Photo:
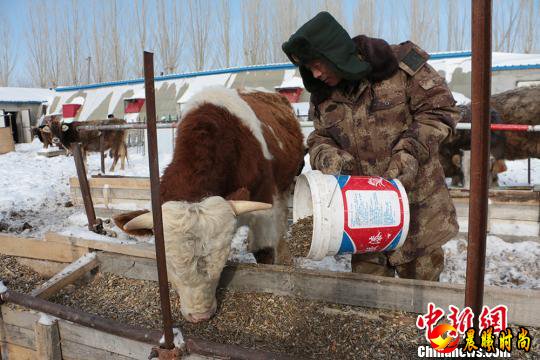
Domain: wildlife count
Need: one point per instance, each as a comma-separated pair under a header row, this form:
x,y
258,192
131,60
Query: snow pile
x,y
513,265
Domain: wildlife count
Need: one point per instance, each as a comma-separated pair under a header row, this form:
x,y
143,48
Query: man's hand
x,y
331,161
404,167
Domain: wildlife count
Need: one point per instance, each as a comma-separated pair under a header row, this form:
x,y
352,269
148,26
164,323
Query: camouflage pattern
x,y
425,267
410,113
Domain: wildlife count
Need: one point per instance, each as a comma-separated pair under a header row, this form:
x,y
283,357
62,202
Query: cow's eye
x,y
46,129
65,128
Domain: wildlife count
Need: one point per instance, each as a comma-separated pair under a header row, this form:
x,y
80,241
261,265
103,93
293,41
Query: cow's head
x,y
197,242
56,128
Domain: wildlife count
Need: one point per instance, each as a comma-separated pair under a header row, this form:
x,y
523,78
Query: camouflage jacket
x,y
412,110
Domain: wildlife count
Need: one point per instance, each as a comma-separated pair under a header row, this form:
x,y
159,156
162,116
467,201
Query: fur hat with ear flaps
x,y
324,38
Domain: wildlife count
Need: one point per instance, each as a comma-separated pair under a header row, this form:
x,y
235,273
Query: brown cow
x,y
231,145
113,140
44,136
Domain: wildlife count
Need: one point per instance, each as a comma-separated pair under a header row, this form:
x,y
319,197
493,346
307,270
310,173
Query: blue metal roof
x,y
283,66
450,55
515,67
181,76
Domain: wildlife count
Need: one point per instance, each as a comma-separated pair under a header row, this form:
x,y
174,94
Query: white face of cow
x,y
197,243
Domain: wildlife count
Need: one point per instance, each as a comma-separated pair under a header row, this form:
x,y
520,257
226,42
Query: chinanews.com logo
x,y
458,338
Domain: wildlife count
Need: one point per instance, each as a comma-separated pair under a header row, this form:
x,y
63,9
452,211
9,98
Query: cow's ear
x,y
46,129
65,128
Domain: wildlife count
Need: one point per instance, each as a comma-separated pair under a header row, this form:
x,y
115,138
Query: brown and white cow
x,y
65,134
231,145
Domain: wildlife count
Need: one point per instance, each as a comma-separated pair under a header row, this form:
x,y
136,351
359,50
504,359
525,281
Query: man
x,y
381,110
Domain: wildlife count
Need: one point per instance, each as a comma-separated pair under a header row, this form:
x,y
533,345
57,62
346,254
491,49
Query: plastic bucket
x,y
351,214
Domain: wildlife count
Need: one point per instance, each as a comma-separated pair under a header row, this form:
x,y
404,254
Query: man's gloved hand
x,y
404,167
330,161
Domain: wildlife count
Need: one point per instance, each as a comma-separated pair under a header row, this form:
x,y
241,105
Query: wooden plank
x,y
375,291
101,340
15,352
524,212
140,204
128,266
505,196
67,276
17,336
503,211
345,288
74,351
139,250
127,194
21,318
38,249
47,341
117,183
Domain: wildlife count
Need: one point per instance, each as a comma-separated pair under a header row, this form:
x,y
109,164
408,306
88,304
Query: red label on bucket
x,y
374,214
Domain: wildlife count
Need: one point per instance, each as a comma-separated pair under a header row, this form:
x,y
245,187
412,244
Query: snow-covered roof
x,y
293,82
499,61
198,83
25,95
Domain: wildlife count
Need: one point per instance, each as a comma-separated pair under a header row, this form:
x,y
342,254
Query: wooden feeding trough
x,y
341,299
508,209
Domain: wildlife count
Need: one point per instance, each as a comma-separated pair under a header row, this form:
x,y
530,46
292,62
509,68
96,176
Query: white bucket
x,y
351,214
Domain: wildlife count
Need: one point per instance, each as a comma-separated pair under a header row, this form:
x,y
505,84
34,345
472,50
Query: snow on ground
x,y
516,175
507,264
34,199
34,196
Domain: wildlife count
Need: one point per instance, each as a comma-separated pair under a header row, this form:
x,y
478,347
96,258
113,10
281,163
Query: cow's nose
x,y
56,140
198,317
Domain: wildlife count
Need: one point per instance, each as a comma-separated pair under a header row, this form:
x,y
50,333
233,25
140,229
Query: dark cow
x,y
451,151
231,145
517,106
44,136
113,140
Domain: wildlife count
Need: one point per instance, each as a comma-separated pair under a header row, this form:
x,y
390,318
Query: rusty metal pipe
x,y
159,125
480,137
82,318
83,184
156,199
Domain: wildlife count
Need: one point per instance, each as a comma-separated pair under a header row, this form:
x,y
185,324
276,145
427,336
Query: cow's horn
x,y
144,221
240,207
